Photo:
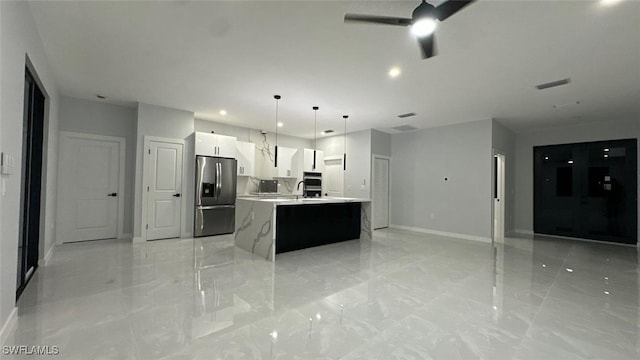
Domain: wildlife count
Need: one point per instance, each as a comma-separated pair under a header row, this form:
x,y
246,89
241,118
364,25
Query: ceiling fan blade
x,y
450,7
386,20
427,46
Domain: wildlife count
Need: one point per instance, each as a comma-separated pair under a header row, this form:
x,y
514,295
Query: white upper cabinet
x,y
215,145
287,166
246,156
307,161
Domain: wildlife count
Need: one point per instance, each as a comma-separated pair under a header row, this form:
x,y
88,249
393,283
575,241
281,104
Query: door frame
x,y
145,181
332,158
502,158
122,142
373,205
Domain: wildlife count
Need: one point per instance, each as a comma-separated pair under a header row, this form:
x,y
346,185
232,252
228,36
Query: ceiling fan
x,y
423,21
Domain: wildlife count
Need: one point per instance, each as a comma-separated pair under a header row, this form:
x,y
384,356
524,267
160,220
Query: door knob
x,y
113,194
176,195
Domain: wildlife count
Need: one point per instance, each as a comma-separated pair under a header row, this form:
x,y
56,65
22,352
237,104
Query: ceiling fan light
x,y
424,27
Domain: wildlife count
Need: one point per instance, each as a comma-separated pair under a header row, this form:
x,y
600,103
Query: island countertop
x,y
305,201
266,226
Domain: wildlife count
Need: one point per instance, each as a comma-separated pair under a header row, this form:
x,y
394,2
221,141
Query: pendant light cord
x,y
315,140
344,160
277,97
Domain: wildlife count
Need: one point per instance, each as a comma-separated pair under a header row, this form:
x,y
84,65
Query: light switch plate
x,y
6,164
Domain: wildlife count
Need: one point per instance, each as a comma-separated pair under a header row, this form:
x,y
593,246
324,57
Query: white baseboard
x,y
8,325
125,236
47,258
442,233
138,239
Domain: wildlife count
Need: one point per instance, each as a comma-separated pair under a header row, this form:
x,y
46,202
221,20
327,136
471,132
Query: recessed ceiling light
x,y
609,2
570,162
280,124
223,112
546,158
606,156
394,72
606,149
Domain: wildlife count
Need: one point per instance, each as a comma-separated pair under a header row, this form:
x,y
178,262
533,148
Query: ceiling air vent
x,y
553,84
409,114
404,128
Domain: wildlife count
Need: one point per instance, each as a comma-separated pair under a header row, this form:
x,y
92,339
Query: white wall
x,y
19,39
422,199
165,122
99,118
503,142
625,128
357,178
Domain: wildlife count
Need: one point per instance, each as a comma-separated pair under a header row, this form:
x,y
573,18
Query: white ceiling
x,y
206,56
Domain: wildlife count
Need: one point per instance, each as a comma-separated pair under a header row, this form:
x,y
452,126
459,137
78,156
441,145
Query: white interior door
x,y
164,200
333,177
498,200
90,171
380,201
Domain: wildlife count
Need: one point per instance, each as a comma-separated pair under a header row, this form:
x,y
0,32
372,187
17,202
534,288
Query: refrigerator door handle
x,y
200,170
218,179
200,219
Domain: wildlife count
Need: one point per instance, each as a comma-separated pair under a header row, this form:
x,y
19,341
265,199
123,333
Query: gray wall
x,y
380,143
624,128
165,122
19,39
357,178
98,118
420,198
503,142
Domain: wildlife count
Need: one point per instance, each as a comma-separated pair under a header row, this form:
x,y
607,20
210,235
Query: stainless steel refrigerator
x,y
215,196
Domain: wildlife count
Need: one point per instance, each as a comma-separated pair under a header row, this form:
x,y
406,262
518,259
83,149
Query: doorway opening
x,y
498,196
31,189
380,191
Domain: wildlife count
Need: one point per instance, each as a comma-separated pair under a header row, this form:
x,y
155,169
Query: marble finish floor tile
x,y
402,295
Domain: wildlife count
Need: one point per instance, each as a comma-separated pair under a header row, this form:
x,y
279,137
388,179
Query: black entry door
x,y
587,190
32,149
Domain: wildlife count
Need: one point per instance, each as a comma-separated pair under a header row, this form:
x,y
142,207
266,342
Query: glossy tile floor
x,y
401,296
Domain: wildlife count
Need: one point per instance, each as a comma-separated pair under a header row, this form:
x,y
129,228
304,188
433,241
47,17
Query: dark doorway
x,y
32,148
587,190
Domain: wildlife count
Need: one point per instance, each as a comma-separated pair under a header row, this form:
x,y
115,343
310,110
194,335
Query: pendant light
x,y
344,160
275,160
315,126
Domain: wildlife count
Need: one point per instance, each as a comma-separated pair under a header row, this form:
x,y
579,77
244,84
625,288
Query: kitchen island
x,y
268,226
